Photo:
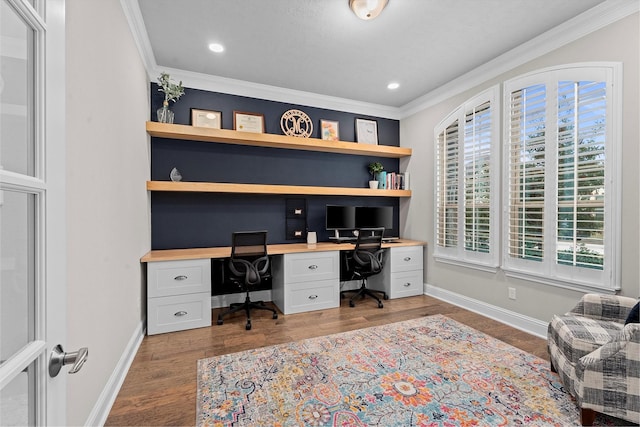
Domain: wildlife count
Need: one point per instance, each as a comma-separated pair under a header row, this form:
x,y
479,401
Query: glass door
x,y
32,289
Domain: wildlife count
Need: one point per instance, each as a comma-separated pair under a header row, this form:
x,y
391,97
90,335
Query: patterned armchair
x,y
597,356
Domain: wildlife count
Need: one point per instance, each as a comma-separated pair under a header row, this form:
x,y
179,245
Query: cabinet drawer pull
x,y
181,277
313,267
180,314
406,285
313,296
407,258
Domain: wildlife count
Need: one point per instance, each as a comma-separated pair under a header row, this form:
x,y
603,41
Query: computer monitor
x,y
375,216
340,217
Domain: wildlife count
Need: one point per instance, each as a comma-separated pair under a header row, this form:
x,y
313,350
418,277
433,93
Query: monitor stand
x,y
341,239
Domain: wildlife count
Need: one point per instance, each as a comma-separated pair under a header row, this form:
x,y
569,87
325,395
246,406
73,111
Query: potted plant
x,y
374,169
172,92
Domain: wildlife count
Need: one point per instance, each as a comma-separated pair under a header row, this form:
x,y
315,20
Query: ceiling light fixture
x,y
393,85
216,47
367,9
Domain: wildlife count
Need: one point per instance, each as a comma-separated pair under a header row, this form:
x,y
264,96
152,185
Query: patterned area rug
x,y
431,371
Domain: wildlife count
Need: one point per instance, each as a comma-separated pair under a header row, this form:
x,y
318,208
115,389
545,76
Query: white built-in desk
x,y
305,278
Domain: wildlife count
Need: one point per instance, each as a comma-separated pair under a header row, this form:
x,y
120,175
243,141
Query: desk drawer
x,y
406,258
178,277
308,267
406,284
313,296
177,313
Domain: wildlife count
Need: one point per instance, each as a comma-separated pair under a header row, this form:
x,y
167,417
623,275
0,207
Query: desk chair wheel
x,y
386,296
248,325
220,320
380,304
275,315
352,304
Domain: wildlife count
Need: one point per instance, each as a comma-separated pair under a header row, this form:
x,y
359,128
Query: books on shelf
x,y
395,181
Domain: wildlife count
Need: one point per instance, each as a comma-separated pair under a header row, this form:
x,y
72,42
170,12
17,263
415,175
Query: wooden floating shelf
x,y
227,136
221,187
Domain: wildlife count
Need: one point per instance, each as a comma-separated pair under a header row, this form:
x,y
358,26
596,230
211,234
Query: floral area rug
x,y
431,371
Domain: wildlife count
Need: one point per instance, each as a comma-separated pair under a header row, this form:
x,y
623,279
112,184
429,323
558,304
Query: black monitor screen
x,y
341,217
374,216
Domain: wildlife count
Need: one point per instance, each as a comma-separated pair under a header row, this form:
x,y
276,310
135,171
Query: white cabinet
x,y
178,295
402,273
306,281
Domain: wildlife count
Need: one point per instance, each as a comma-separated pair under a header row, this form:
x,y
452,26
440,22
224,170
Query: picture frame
x,y
206,118
329,130
367,131
248,122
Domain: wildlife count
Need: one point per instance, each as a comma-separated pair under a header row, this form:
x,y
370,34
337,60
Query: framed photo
x,y
248,122
206,119
367,131
329,130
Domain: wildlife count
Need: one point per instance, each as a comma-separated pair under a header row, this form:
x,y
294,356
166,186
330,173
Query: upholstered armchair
x,y
595,348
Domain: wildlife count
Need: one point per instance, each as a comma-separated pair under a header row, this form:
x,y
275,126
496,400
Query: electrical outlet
x,y
512,293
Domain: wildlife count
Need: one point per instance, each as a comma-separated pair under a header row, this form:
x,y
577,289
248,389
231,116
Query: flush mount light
x,y
393,85
216,47
367,9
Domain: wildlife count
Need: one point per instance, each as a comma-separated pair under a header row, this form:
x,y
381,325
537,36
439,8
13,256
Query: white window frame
x,y
548,271
458,255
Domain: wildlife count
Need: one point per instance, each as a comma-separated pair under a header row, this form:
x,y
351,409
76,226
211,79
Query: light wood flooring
x,y
160,388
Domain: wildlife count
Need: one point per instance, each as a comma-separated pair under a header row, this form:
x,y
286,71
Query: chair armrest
x,y
625,345
614,308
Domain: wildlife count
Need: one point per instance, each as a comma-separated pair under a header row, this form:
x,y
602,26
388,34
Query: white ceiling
x,y
320,47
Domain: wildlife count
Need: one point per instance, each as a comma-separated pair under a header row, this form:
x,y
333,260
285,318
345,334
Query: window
x,y
467,172
560,190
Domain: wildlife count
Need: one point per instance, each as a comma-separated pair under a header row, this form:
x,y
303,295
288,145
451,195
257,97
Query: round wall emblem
x,y
296,123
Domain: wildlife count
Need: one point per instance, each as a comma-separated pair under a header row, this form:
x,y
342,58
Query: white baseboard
x,y
101,409
524,323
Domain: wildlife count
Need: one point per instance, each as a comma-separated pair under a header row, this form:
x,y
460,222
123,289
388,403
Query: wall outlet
x,y
512,293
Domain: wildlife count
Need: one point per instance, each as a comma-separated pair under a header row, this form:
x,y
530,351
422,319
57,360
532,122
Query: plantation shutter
x,y
477,178
526,171
447,186
581,173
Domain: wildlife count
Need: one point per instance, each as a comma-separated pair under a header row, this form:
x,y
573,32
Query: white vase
x,y
373,184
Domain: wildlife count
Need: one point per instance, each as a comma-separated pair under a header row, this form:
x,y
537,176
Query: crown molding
x,y
131,10
586,23
592,20
274,93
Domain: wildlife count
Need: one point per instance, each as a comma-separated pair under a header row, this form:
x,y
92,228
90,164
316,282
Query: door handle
x,y
59,358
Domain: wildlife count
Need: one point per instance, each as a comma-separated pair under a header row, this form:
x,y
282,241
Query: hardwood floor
x,y
160,388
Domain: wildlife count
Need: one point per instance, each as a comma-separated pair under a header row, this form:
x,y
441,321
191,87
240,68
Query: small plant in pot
x,y
374,169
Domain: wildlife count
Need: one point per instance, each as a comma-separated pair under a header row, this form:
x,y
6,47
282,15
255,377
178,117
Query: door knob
x,y
59,358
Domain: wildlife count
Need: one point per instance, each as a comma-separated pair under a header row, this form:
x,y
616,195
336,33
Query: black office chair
x,y
249,265
365,261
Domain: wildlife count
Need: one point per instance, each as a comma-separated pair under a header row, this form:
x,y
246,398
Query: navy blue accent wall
x,y
187,220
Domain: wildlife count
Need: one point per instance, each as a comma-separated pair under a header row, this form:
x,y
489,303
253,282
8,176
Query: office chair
x,y
249,264
365,261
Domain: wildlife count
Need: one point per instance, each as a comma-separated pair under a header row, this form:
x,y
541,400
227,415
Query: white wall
x,y
616,42
108,213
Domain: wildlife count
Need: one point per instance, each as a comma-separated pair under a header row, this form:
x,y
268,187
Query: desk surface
x,y
285,248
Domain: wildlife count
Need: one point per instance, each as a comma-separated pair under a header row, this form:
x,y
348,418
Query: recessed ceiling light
x,y
393,85
216,47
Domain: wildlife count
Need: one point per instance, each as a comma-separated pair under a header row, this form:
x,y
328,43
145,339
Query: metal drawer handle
x,y
313,296
181,277
313,267
406,285
180,314
407,258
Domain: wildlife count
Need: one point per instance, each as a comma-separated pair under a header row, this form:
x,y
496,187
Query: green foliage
x,y
585,257
172,91
375,168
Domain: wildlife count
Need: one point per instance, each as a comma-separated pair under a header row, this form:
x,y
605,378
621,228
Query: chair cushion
x,y
577,336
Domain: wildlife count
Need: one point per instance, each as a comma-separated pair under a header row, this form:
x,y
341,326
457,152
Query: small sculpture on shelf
x,y
172,92
374,169
175,175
